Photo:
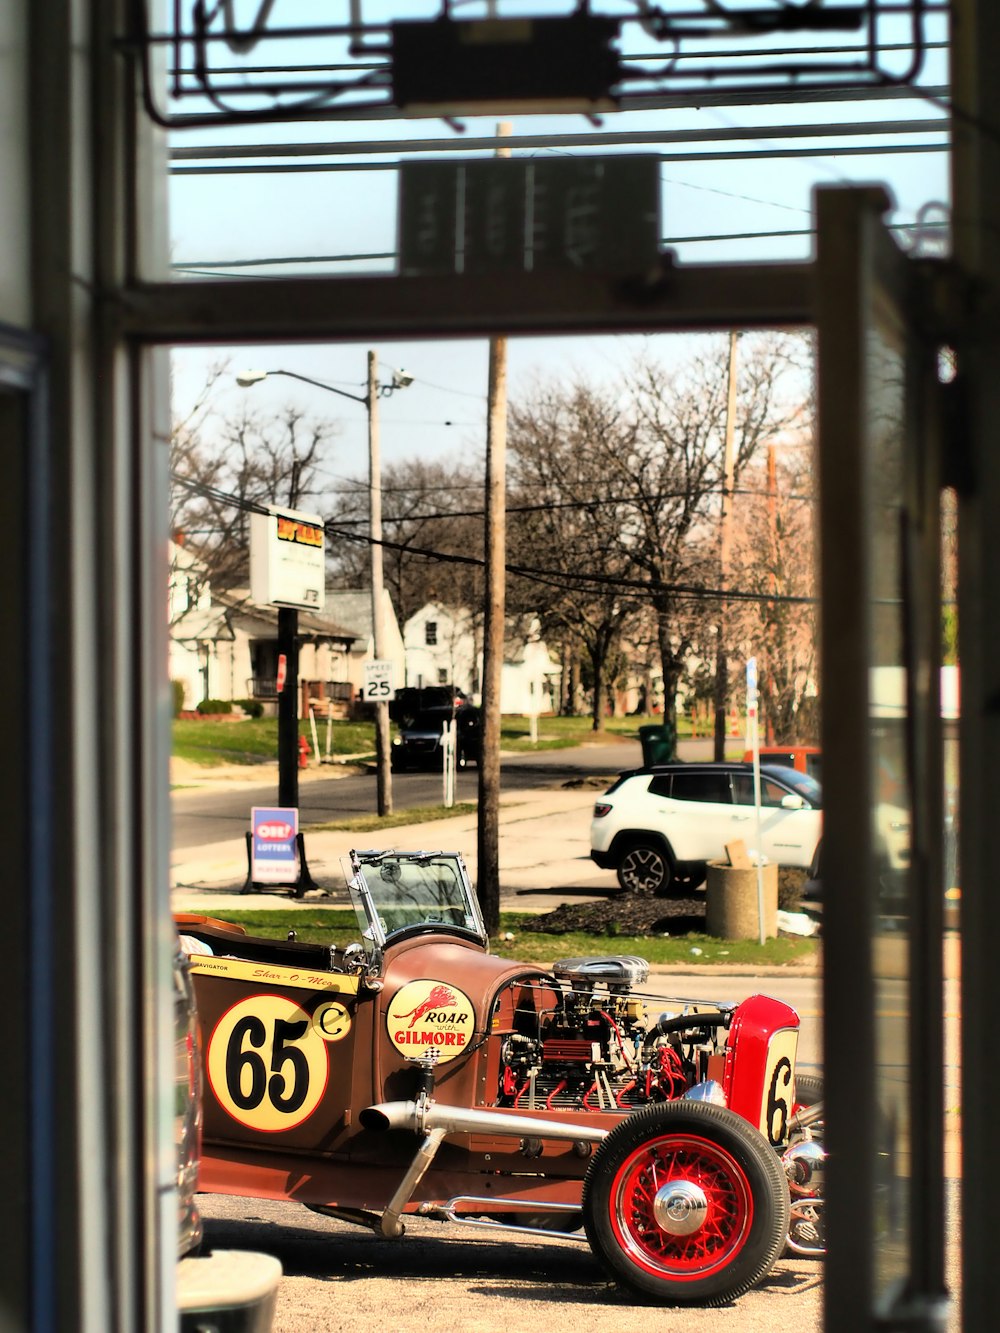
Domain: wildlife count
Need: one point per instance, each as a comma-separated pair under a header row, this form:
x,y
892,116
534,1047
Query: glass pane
x,y
890,798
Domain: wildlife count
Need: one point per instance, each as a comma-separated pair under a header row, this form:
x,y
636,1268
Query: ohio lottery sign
x,y
274,831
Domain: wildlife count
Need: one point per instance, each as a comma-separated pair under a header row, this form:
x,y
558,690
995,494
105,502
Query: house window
x,y
431,633
442,676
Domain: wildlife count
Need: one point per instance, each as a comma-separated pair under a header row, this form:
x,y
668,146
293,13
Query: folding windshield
x,y
397,892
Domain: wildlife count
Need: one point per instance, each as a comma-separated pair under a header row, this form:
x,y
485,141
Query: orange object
x,y
806,758
303,752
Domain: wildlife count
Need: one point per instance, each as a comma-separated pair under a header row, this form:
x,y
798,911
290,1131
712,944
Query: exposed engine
x,y
585,1040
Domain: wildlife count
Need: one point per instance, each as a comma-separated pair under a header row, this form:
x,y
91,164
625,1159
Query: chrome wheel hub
x,y
680,1208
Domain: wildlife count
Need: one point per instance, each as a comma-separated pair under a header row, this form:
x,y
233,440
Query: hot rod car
x,y
415,1072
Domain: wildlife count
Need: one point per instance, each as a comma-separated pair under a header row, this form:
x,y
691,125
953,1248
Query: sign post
x,y
449,751
288,571
753,744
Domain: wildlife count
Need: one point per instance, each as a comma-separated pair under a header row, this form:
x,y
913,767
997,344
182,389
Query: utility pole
x,y
725,547
488,831
488,850
772,528
382,760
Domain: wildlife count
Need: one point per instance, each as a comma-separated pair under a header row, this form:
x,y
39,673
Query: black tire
x,y
809,1091
686,1204
645,870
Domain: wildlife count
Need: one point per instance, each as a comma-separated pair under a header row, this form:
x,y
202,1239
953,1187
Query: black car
x,y
412,700
420,740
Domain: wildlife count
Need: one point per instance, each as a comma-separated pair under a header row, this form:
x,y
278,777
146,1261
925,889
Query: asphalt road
x,y
209,814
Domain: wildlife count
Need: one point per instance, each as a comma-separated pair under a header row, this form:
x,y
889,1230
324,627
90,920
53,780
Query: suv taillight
x,y
601,808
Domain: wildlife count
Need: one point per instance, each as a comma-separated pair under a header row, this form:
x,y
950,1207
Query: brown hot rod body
x,y
416,1072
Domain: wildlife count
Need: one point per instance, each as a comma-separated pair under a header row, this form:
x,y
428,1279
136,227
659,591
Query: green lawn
x,y
338,926
255,740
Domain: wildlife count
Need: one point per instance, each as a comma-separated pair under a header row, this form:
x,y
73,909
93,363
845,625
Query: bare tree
x,y
562,526
628,483
432,529
674,478
220,474
775,559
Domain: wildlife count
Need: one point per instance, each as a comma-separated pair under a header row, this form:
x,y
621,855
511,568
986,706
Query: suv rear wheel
x,y
645,870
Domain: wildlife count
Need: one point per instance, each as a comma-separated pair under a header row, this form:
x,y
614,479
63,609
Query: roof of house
x,y
352,607
235,607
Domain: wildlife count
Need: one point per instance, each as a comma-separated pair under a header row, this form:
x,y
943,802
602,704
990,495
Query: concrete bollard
x,y
731,902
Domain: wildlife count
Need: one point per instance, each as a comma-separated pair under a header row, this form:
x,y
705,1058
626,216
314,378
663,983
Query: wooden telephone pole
x,y
725,547
488,833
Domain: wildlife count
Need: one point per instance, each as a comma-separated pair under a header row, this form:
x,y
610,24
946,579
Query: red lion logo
x,y
441,997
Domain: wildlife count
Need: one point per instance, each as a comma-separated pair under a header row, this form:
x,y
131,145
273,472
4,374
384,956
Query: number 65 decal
x,y
267,1064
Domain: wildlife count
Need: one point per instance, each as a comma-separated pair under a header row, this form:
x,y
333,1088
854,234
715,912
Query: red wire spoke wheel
x,y
686,1204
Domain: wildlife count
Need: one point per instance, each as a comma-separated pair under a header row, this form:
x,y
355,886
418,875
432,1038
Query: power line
x,y
220,265
466,145
645,587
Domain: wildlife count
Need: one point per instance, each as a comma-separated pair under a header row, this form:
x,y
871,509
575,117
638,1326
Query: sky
x,y
345,221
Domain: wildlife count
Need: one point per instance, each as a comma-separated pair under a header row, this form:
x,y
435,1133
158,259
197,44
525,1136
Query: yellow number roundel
x,y
267,1063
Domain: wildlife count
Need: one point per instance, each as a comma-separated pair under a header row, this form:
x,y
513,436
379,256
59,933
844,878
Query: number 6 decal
x,y
267,1064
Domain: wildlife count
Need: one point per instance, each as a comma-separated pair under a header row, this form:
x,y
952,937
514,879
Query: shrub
x,y
177,686
252,707
791,882
215,706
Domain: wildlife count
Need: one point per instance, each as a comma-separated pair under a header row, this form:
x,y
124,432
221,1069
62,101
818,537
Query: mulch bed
x,y
624,915
628,914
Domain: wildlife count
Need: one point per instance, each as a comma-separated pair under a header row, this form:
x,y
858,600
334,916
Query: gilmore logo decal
x,y
294,530
426,1015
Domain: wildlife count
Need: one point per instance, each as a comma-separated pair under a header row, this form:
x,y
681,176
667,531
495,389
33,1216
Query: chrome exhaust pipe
x,y
434,1121
423,1117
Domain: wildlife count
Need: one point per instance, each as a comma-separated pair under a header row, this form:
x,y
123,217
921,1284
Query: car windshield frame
x,y
396,894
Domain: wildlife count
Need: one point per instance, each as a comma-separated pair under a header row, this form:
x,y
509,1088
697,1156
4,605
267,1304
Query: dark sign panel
x,y
600,214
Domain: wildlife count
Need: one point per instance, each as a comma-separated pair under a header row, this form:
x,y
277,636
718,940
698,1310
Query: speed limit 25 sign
x,y
378,687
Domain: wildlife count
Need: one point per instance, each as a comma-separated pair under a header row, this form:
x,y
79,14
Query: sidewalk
x,y
544,857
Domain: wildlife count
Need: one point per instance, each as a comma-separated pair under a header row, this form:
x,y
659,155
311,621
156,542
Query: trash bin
x,y
658,743
731,908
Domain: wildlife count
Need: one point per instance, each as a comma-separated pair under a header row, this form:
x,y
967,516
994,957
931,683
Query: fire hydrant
x,y
303,752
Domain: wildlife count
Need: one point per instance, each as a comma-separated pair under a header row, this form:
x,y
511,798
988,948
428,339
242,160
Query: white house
x,y
444,647
223,646
353,608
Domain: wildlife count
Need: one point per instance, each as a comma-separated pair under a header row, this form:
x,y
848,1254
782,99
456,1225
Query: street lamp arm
x,y
250,377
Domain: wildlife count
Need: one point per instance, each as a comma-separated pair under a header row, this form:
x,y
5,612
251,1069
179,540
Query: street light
x,y
401,379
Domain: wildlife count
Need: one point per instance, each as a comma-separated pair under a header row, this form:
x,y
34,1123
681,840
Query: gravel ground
x,y
462,1279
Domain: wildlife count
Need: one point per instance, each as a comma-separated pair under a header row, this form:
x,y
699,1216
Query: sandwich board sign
x,y
274,851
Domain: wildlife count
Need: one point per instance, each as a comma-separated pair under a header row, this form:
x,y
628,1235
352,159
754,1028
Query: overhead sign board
x,y
287,559
600,214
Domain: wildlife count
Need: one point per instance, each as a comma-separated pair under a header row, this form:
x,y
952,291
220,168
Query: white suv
x,y
658,826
